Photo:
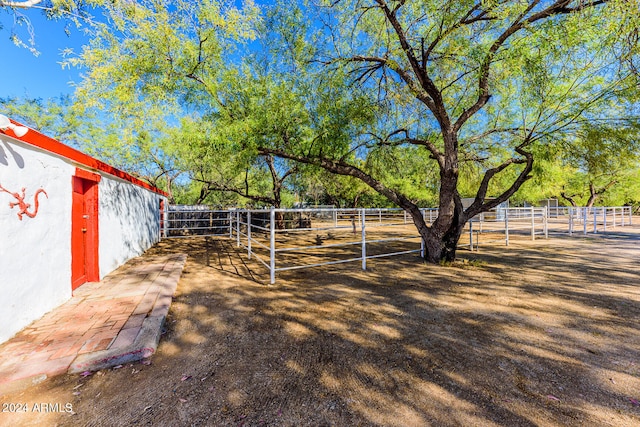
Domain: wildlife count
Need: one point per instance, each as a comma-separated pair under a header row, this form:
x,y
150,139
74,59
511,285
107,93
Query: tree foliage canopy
x,y
420,101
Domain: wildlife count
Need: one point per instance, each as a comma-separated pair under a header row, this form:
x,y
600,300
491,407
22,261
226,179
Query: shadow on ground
x,y
542,334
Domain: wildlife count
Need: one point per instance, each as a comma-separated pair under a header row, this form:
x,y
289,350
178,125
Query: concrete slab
x,y
115,321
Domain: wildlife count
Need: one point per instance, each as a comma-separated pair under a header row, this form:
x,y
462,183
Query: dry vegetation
x,y
543,333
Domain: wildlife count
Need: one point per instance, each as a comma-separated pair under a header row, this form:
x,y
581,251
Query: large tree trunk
x,y
204,192
443,249
441,238
279,217
593,195
277,203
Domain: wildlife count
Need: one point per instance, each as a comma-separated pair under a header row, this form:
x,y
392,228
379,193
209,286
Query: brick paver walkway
x,y
116,320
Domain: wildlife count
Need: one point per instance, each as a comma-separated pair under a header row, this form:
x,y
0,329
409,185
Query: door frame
x,y
88,211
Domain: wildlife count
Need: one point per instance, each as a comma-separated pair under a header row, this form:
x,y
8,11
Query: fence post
x,y
623,215
238,228
533,223
595,220
364,239
614,217
604,217
571,221
546,225
506,227
272,245
584,220
471,236
249,234
630,214
230,226
162,231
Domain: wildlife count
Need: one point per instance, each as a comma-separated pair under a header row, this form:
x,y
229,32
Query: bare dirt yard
x,y
542,333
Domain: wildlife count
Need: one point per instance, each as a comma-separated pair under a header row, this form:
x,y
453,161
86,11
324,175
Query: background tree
x,y
468,89
52,116
148,154
222,166
602,157
239,103
315,186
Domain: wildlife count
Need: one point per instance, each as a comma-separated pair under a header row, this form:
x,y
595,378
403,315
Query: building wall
x,y
129,219
35,252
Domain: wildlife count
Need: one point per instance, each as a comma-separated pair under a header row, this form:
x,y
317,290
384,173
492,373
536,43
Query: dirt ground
x,y
543,333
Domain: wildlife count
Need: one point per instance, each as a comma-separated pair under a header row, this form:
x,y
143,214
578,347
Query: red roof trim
x,y
37,139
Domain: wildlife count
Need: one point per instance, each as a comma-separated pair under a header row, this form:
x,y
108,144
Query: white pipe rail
x,y
257,231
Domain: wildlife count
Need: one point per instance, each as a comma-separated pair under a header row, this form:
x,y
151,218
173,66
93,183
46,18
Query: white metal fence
x,y
590,220
291,239
189,221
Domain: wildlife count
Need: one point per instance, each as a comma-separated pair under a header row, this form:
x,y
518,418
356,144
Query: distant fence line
x,y
290,239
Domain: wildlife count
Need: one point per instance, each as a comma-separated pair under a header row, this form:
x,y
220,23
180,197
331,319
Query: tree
x,y
315,186
473,88
163,58
148,154
194,73
601,155
51,116
217,163
472,82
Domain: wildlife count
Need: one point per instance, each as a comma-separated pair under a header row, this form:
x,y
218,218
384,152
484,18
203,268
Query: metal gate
x,y
199,220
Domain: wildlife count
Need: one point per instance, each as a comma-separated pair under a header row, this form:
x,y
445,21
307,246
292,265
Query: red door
x,y
84,229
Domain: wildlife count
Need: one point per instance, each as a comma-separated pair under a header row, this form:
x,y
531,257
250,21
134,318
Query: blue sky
x,y
22,73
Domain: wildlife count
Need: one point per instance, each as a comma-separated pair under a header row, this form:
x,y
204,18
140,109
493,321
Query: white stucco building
x,y
65,219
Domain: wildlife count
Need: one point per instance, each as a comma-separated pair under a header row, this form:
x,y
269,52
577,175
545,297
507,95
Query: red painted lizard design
x,y
22,204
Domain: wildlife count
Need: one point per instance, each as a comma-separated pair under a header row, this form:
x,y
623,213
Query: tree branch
x,y
433,100
557,8
419,91
487,133
216,186
342,168
479,204
465,20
